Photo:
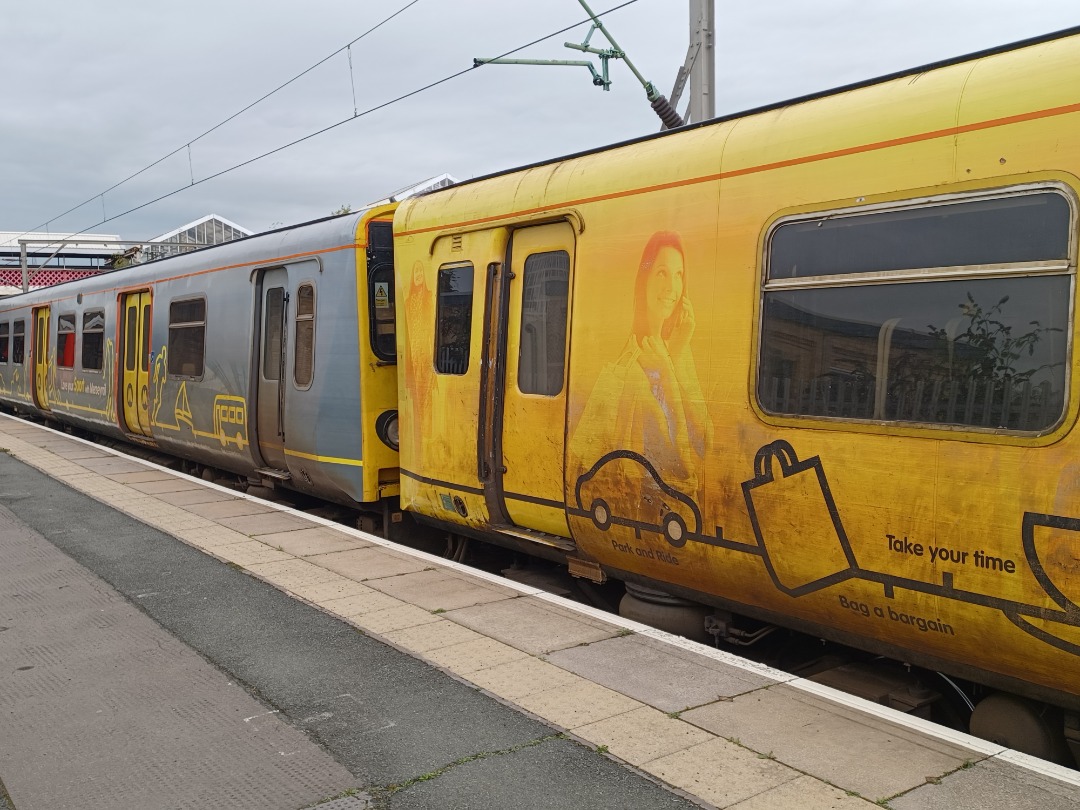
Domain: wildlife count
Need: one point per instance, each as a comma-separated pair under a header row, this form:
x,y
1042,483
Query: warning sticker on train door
x,y
382,294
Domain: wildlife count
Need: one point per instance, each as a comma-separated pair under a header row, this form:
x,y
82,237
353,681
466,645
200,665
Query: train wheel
x,y
1022,725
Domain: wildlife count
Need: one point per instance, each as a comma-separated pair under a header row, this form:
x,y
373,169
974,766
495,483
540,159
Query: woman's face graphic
x,y
664,287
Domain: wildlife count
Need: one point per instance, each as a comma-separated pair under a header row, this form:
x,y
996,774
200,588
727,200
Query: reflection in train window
x,y
542,349
5,341
453,317
18,341
93,340
187,337
65,340
982,346
304,358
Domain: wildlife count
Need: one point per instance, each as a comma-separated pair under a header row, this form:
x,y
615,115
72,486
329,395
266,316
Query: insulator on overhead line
x,y
667,113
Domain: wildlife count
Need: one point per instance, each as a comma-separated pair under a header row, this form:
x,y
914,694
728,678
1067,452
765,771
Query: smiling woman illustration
x,y
649,400
672,424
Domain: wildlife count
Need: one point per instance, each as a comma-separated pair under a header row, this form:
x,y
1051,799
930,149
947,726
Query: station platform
x,y
167,642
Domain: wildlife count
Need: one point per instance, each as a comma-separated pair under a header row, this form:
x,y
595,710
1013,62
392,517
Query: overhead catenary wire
x,y
220,124
324,130
334,126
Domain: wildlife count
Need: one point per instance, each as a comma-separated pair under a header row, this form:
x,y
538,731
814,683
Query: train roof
x,y
236,248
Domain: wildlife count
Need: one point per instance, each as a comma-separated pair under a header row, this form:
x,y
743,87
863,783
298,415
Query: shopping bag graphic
x,y
796,523
1052,548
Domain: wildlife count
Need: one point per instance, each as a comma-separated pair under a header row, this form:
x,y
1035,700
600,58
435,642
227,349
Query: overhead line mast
x,y
698,68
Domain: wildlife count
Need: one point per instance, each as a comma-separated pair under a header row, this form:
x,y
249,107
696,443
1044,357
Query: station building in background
x,y
52,258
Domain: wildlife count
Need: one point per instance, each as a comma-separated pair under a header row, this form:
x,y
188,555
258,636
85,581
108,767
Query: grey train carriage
x,y
271,357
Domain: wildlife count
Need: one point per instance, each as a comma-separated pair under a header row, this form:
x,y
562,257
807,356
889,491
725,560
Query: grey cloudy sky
x,y
95,92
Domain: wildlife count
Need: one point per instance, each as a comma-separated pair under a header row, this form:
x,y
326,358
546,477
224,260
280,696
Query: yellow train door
x,y
41,357
135,369
531,429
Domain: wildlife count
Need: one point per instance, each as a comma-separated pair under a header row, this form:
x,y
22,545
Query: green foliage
x,y
993,349
980,368
986,350
120,260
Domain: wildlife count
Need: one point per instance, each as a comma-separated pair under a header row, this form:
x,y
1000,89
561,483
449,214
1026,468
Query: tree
x,y
974,370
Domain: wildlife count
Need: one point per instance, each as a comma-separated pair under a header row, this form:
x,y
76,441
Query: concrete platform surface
x,y
602,712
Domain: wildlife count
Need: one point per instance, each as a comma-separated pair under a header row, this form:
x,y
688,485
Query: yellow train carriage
x,y
813,363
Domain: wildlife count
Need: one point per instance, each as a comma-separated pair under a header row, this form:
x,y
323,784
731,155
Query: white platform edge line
x,y
899,718
525,590
1058,773
689,645
959,738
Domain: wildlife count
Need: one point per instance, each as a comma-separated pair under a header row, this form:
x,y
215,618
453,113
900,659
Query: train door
x,y
273,358
135,370
41,357
531,428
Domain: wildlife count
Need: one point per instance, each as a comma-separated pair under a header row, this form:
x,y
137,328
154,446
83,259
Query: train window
x,y
145,336
93,340
542,349
5,341
380,259
187,337
453,316
18,341
131,336
304,357
1030,227
65,340
953,344
272,333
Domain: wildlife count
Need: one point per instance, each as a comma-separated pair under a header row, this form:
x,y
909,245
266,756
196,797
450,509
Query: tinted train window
x,y
5,342
131,334
145,336
18,341
982,347
1001,230
187,337
542,350
304,359
453,317
40,324
93,340
380,259
65,340
272,333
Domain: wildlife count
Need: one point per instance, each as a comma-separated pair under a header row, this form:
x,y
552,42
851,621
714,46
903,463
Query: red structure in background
x,y
43,278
